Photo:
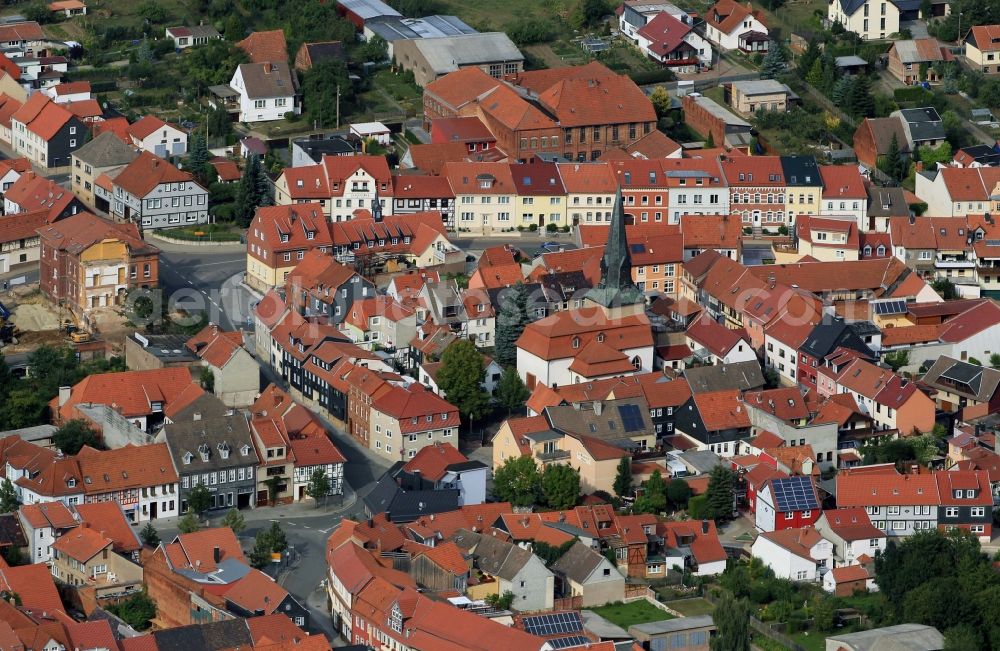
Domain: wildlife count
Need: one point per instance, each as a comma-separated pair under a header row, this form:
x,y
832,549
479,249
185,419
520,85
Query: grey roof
x,y
743,376
396,28
170,348
909,637
316,148
887,202
324,51
702,461
500,558
578,563
401,505
204,406
922,123
800,170
106,150
909,52
271,79
212,636
608,426
223,440
982,381
368,9
449,53
31,434
761,87
720,112
672,625
850,61
850,6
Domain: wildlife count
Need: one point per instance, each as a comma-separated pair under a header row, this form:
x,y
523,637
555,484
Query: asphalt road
x,y
204,278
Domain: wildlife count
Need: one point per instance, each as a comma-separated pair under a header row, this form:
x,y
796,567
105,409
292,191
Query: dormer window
x,y
224,450
245,451
600,337
310,235
187,458
576,342
156,406
957,494
71,482
203,451
880,250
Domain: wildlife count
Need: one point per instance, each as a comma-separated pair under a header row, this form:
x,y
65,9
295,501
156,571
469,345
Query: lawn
x,y
691,607
810,641
204,232
636,612
795,16
487,15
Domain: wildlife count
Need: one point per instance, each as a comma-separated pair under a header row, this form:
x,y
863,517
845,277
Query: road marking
x,y
306,526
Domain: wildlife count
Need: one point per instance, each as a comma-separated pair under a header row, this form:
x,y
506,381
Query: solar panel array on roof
x,y
890,307
554,624
568,641
962,372
631,418
794,494
638,247
992,242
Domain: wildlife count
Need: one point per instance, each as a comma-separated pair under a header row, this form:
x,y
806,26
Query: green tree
x,y
897,359
219,124
962,637
8,497
679,492
234,520
815,75
698,507
954,129
198,156
137,611
944,288
511,392
892,163
719,496
517,481
251,192
152,12
808,59
995,360
510,323
824,614
931,156
207,379
661,101
319,485
199,499
774,61
149,536
560,485
593,12
500,602
320,86
276,535
260,554
841,92
623,477
862,102
732,622
460,377
189,523
376,50
73,435
654,498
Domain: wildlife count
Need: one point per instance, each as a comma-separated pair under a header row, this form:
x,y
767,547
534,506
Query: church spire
x,y
616,287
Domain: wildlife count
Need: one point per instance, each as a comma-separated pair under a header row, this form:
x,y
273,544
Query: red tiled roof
x,y
146,172
985,37
34,585
265,47
256,592
721,410
432,461
416,403
94,634
552,337
129,392
118,126
796,541
842,182
612,99
447,556
227,170
664,32
108,519
142,466
885,489
81,544
852,523
24,31
589,178
46,514
197,550
715,337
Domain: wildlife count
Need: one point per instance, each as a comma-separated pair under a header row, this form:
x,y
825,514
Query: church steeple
x,y
616,288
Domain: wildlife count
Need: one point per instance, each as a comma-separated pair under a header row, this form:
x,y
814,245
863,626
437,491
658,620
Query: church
x,y
608,336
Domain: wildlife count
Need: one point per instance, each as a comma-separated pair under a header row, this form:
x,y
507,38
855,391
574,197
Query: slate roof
x,y
982,382
742,376
106,150
211,636
188,439
578,562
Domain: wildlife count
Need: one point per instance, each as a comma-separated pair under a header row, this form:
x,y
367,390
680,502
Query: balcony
x,y
552,456
954,262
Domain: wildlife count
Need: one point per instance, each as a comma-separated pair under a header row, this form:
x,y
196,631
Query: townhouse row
x,y
765,192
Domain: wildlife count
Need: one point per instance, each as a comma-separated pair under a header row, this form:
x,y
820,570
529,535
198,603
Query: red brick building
x,y
88,262
756,190
577,112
